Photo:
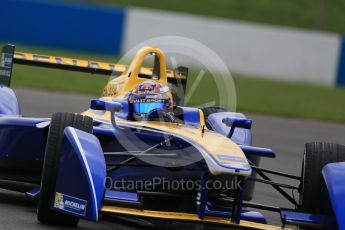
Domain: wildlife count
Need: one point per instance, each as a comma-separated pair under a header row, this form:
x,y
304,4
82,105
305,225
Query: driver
x,y
151,100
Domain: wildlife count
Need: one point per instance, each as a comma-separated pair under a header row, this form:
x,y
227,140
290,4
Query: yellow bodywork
x,y
189,217
130,78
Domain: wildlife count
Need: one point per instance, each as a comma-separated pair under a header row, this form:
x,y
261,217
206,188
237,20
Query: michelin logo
x,y
74,205
70,204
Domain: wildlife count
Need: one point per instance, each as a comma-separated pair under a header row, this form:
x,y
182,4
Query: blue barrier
x,y
62,25
341,65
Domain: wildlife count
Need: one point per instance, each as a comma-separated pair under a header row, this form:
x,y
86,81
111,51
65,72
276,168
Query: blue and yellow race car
x,y
138,153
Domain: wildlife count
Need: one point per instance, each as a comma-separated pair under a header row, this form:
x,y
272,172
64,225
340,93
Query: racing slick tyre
x,y
58,124
316,156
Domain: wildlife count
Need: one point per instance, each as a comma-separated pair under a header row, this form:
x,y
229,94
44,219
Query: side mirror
x,y
237,123
97,104
111,106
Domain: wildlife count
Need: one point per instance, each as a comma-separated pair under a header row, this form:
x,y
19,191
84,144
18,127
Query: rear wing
x,y
177,77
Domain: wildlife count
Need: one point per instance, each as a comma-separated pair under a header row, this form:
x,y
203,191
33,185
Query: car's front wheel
x,y
58,124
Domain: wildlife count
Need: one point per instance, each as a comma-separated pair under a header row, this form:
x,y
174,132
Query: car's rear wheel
x,y
58,124
316,156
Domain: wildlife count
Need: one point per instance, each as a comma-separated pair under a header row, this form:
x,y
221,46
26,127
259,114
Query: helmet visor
x,y
144,108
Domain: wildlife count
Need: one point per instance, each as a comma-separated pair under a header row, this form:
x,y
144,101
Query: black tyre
x,y
208,111
316,156
58,123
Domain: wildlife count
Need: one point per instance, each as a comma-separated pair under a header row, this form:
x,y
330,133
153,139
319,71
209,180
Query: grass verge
x,y
323,15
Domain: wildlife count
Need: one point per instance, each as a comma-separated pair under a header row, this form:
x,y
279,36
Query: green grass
x,y
254,95
57,80
295,13
290,99
257,95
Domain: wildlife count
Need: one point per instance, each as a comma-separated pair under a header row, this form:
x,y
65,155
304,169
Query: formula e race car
x,y
137,152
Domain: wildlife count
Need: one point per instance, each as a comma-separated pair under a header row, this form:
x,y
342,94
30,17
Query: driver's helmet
x,y
148,96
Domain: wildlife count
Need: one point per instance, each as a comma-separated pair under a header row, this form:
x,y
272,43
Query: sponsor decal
x,y
6,60
2,63
70,204
78,63
5,72
223,157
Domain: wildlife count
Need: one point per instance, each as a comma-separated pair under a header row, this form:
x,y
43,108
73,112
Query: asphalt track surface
x,y
285,136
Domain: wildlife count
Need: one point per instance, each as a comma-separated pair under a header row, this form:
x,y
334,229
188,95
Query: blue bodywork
x,y
9,104
29,154
241,136
245,215
303,219
191,116
82,164
333,175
